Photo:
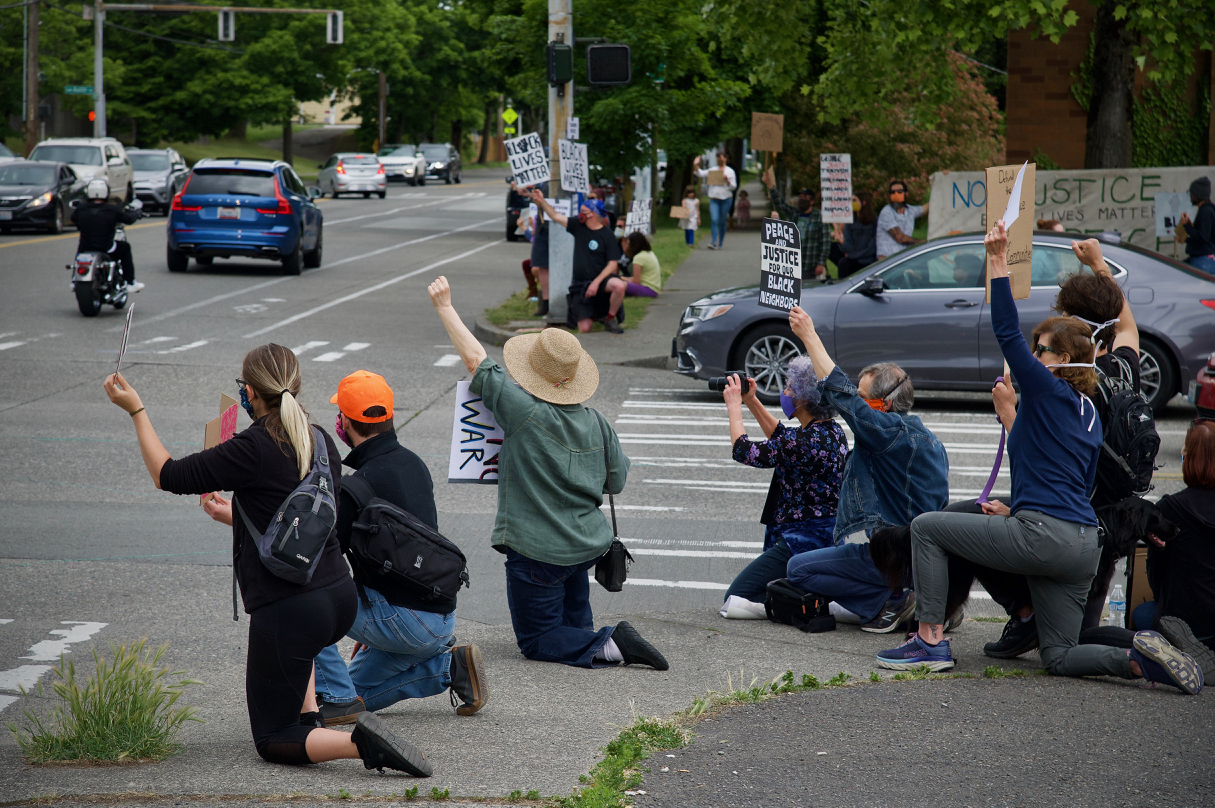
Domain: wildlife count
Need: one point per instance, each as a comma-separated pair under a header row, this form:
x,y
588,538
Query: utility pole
x,y
560,108
31,80
98,73
383,111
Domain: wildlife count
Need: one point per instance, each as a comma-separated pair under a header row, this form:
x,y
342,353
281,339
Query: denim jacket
x,y
897,469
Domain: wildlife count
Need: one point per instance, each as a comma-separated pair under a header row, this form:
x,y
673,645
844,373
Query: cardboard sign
x,y
639,216
1003,181
476,441
716,177
527,159
575,169
780,265
680,212
835,178
220,429
1169,207
767,132
572,128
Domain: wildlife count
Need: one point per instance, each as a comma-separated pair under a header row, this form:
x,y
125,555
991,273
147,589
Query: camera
x,y
718,384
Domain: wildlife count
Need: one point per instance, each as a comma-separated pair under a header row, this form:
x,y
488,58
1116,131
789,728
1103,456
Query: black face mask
x,y
804,205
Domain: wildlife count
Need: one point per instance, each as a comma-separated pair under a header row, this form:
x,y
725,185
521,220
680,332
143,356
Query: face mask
x,y
856,206
898,197
244,402
341,433
582,216
787,405
878,404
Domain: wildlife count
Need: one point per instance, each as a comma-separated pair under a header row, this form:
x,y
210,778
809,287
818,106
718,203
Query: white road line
x,y
757,485
676,584
447,360
382,250
155,340
7,700
50,650
308,346
373,215
188,347
274,300
644,508
374,288
26,676
9,334
691,553
4,620
744,545
331,356
4,346
356,346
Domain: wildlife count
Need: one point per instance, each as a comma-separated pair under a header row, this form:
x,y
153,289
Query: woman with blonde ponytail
x,y
289,623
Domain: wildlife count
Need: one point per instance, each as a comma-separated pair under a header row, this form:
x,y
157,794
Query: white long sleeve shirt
x,y
720,191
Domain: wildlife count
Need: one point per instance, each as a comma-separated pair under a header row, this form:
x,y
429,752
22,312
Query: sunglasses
x,y
1040,349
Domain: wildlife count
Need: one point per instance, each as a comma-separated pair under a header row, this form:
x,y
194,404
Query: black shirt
x,y
98,223
593,250
262,473
1201,232
399,476
1182,573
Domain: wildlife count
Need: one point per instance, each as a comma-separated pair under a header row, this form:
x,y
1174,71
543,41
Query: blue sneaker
x,y
1163,663
914,653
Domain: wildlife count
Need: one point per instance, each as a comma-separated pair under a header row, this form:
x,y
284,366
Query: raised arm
x,y
548,209
1126,333
803,328
1030,374
465,343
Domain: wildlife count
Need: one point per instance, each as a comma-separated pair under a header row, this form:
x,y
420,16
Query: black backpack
x,y
1130,441
795,607
398,553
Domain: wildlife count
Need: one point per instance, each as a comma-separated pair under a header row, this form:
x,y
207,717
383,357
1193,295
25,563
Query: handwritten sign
x,y
222,428
767,132
476,441
1006,183
575,170
835,178
1169,207
780,265
527,159
680,212
639,216
716,177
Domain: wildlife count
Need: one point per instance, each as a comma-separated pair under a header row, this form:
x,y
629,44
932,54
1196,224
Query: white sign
x,y
476,441
562,206
1012,211
1084,201
571,129
639,215
835,177
575,170
527,160
1169,208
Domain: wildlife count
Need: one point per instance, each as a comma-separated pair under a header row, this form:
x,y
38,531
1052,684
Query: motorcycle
x,y
97,276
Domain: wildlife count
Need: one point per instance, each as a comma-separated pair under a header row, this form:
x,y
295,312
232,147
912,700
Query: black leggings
x,y
284,638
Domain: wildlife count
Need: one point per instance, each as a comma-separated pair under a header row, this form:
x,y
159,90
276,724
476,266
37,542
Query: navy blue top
x,y
1200,234
809,463
1055,442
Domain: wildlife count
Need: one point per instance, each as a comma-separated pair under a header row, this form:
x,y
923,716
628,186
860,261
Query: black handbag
x,y
612,568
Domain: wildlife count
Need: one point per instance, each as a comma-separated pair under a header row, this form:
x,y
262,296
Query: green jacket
x,y
551,476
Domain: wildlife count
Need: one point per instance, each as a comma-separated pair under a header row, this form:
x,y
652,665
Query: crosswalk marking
x,y
180,348
356,346
4,346
333,356
308,346
447,360
50,650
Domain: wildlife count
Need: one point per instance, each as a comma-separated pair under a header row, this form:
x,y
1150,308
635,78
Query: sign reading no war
x,y
476,440
1085,201
527,159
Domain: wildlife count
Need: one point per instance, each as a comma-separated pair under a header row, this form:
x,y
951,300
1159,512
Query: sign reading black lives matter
x,y
527,159
638,217
780,265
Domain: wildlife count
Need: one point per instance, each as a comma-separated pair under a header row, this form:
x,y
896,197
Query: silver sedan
x,y
352,173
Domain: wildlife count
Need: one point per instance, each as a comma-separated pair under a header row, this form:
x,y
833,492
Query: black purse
x,y
612,568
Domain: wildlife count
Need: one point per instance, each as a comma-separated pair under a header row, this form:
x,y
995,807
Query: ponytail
x,y
299,432
274,372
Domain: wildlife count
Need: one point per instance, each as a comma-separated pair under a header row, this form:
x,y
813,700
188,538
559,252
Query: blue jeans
x,y
782,542
844,574
550,610
689,236
719,213
406,655
1206,263
1144,615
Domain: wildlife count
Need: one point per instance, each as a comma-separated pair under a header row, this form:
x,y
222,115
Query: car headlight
x,y
436,165
703,313
45,199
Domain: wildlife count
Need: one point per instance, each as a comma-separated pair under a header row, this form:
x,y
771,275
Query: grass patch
x,y
620,768
193,152
125,712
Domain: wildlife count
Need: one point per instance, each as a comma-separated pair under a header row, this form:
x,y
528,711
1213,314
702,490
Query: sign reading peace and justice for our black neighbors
x,y
780,265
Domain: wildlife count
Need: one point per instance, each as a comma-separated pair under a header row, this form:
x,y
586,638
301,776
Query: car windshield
x,y
359,160
150,162
5,151
232,182
77,155
434,152
24,174
399,151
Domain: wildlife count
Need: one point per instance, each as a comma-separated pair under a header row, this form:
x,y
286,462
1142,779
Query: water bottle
x,y
1117,607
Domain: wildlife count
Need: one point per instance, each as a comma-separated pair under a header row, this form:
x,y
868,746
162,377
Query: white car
x,y
7,156
404,162
92,158
352,173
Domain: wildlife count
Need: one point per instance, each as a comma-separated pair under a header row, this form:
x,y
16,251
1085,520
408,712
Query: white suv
x,y
92,157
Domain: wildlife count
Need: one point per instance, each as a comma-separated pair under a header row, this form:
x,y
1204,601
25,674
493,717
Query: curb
x,y
487,332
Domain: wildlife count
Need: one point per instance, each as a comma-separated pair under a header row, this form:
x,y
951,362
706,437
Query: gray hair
x,y
886,377
807,392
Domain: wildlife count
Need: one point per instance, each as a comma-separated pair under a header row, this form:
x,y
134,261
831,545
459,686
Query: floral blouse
x,y
809,463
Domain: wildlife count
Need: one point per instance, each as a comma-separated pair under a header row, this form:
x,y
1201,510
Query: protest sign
x,y
1169,207
780,265
767,132
679,212
1006,201
638,217
527,159
835,178
126,332
575,171
571,129
220,429
476,441
1084,200
716,177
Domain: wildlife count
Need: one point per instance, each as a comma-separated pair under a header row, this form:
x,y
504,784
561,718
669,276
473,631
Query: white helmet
x,y
98,189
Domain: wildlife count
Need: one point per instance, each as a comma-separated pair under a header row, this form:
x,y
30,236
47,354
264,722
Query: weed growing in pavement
x,y
343,794
990,619
411,794
996,672
125,712
838,680
532,794
437,794
514,796
619,768
873,677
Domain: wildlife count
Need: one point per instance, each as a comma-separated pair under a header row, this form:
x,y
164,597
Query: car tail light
x,y
284,207
177,205
380,170
341,169
1210,304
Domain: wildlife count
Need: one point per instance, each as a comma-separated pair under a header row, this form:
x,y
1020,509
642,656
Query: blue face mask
x,y
244,402
787,405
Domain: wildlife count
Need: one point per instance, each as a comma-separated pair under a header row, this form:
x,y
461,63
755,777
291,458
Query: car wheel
x,y
87,299
56,225
383,194
204,260
312,258
422,181
176,259
447,178
764,353
1157,379
457,178
367,194
294,263
130,193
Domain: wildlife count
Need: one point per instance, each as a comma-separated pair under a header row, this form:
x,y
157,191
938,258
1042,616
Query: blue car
x,y
238,208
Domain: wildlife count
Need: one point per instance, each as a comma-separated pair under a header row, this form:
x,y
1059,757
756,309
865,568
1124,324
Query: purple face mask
x,y
787,405
341,433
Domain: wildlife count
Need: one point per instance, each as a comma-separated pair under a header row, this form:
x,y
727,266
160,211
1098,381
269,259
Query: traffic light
x,y
560,64
609,64
92,116
334,22
227,26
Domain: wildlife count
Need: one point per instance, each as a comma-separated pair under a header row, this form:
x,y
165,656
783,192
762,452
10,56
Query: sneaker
x,y
541,309
380,749
1018,638
334,713
467,674
952,623
135,286
1166,665
712,246
1180,636
635,649
312,720
611,325
892,614
914,653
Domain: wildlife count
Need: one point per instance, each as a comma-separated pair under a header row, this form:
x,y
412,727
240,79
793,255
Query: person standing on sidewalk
x,y
896,222
721,198
1199,235
551,482
815,235
404,642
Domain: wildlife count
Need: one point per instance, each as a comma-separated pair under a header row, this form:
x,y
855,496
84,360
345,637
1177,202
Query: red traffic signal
x,y
92,116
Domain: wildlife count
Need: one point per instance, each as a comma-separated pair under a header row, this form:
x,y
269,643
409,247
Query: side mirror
x,y
320,165
314,192
75,203
873,287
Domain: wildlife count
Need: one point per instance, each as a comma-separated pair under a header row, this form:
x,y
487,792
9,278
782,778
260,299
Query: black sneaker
x,y
541,309
468,679
1019,637
611,325
892,614
312,720
1179,635
635,649
380,749
340,712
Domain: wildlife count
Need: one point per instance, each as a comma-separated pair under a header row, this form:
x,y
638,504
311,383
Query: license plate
x,y
229,213
1192,395
5,215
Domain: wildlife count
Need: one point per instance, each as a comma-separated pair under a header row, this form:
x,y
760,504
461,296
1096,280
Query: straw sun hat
x,y
552,366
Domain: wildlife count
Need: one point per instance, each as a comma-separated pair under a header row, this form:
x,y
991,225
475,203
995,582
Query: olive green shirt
x,y
551,475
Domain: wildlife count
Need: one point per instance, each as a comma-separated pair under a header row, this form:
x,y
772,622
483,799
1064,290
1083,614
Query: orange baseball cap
x,y
359,392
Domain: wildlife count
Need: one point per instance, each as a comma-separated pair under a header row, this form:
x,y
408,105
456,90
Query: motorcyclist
x,y
98,220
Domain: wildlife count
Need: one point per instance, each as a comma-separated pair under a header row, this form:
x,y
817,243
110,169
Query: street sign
x,y
78,89
510,116
508,130
572,129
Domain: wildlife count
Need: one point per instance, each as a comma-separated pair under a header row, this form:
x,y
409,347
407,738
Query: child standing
x,y
689,224
742,213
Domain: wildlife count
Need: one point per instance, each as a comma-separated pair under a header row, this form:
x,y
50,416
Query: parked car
x,y
924,309
248,209
159,175
37,194
7,156
351,172
442,161
90,158
516,204
403,161
1202,389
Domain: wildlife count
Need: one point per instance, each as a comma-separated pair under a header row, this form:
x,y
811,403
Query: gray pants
x,y
1058,559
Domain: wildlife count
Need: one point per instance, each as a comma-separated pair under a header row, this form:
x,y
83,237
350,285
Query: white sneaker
x,y
736,608
135,286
